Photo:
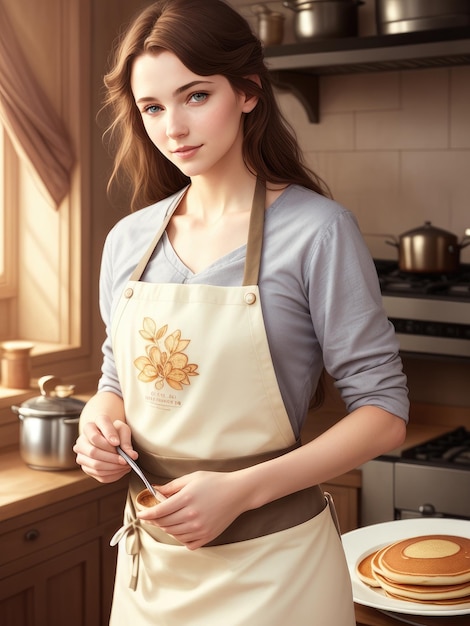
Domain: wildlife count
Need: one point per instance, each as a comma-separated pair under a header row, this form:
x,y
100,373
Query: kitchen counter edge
x,y
25,489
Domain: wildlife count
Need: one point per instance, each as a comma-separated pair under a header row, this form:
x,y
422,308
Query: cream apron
x,y
201,393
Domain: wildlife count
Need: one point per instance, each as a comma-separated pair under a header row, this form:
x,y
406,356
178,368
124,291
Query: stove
x,y
451,449
431,479
430,312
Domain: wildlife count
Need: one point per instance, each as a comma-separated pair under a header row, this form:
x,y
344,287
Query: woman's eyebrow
x,y
177,91
190,85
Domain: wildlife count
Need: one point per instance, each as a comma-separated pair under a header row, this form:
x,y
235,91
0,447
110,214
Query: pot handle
x,y
395,241
466,240
17,410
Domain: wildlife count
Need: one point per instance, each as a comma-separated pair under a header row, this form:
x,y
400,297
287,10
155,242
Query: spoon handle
x,y
156,494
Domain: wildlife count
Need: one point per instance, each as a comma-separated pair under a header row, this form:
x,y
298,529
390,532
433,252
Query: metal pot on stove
x,y
428,249
49,426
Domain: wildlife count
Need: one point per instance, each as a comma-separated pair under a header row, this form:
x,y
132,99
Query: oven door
x,y
431,491
430,326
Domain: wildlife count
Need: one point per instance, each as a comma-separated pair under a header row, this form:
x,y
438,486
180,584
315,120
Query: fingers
x,y
96,449
102,433
125,441
189,532
200,506
104,465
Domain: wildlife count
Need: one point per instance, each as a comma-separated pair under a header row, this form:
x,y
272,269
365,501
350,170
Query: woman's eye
x,y
200,96
152,109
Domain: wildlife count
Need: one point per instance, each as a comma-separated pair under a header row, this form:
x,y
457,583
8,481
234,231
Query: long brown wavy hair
x,y
209,38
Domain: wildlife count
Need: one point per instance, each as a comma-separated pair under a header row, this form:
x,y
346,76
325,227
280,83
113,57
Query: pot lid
x,y
53,407
54,400
428,230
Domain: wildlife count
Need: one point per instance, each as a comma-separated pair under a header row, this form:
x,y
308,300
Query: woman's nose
x,y
175,125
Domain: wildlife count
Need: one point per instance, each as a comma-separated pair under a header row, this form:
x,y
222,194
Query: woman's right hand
x,y
96,449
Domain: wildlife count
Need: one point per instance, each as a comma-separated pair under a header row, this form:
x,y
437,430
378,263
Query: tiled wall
x,y
394,147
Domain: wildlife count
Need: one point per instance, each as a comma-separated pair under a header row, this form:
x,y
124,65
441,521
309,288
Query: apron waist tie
x,y
130,532
280,514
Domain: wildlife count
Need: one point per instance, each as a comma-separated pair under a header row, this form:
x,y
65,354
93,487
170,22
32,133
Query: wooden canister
x,y
16,364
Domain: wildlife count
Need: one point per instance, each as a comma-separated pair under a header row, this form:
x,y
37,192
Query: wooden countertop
x,y
24,489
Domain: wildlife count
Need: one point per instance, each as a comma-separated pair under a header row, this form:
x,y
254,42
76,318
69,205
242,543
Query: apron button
x,y
250,298
128,293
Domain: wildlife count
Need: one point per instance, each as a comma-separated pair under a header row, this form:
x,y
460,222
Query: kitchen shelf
x,y
297,67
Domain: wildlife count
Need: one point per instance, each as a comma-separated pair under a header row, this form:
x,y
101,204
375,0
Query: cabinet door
x,y
346,505
63,591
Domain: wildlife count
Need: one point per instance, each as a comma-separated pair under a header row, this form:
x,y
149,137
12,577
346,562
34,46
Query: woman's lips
x,y
186,152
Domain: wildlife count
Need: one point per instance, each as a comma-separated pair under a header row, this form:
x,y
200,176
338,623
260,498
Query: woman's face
x,y
195,121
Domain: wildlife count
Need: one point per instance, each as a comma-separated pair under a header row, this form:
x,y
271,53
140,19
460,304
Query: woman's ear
x,y
251,100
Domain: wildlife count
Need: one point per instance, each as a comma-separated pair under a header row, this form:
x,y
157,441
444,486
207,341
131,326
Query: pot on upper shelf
x,y
270,24
324,19
429,250
49,426
406,16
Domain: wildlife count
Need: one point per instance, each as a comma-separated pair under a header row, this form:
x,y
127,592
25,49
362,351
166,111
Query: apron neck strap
x,y
254,244
140,267
255,235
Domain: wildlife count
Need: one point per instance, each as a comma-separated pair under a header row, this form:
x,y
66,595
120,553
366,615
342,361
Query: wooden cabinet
x,y
60,591
56,565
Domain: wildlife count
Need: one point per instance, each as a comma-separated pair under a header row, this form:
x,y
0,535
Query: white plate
x,y
358,543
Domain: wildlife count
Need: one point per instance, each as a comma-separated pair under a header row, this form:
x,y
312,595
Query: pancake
x,y
364,571
425,560
450,601
425,593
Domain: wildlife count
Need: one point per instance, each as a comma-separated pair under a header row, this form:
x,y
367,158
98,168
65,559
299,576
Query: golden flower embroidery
x,y
168,365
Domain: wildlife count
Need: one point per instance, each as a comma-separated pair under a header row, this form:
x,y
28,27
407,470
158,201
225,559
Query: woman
x,y
223,300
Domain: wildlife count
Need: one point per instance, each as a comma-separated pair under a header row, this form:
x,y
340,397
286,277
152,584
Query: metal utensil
x,y
156,494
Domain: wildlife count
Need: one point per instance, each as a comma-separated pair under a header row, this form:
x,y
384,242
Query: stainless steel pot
x,y
401,16
323,19
270,24
429,250
49,426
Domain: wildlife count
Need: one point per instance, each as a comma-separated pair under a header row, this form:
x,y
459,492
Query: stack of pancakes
x,y
432,569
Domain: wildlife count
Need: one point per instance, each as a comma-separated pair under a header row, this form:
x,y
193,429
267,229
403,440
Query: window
x,y
43,271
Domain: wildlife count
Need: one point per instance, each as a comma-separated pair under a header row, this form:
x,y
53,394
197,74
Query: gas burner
x,y
450,448
398,282
393,281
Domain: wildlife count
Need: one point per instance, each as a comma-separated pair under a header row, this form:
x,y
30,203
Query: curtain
x,y
35,128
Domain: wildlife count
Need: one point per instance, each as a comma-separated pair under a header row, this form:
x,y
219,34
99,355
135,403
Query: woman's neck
x,y
208,200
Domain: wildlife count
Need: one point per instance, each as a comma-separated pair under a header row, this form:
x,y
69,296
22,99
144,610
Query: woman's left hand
x,y
199,507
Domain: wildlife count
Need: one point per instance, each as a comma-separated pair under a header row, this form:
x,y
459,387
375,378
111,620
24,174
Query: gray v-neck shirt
x,y
319,291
